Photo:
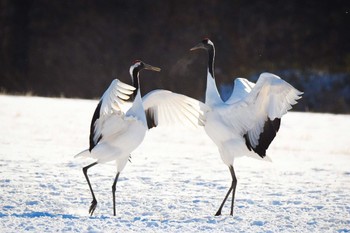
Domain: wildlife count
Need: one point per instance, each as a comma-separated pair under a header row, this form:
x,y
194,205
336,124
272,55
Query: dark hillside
x,y
75,48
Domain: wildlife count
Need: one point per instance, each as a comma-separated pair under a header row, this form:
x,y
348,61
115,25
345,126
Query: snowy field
x,y
176,180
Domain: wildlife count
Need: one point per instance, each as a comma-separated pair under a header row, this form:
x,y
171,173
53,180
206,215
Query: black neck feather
x,y
135,81
211,52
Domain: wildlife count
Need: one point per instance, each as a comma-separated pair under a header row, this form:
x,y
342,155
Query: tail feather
x,y
268,159
84,153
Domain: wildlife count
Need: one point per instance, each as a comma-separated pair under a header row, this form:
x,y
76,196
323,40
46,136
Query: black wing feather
x,y
269,132
150,118
92,126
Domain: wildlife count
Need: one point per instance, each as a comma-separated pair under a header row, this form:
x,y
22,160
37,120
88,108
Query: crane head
x,y
140,65
206,44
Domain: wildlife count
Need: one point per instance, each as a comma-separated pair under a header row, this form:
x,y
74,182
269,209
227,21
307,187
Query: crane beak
x,y
153,68
198,46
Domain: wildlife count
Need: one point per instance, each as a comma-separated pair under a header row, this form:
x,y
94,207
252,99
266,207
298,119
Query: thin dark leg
x,y
94,201
218,213
234,184
113,191
233,187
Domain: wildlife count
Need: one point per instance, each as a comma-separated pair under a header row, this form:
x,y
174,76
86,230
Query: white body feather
x,y
121,132
245,112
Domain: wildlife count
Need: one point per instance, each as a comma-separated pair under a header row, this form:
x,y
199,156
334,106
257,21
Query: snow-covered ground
x,y
176,180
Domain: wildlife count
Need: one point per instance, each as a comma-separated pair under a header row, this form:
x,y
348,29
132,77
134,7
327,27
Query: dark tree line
x,y
75,48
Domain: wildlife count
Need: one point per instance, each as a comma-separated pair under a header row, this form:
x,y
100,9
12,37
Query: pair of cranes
x,y
243,125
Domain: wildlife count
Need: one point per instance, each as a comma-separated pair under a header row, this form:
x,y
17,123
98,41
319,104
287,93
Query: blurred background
x,y
75,48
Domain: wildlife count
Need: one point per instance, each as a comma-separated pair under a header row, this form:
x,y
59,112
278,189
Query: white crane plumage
x,y
246,123
117,127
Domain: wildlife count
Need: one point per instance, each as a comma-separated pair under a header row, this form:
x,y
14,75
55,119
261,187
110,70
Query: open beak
x,y
198,46
149,67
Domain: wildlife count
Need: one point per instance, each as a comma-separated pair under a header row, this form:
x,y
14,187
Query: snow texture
x,y
176,180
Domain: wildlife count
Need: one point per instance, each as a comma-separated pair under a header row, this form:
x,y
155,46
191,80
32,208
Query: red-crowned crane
x,y
117,130
246,123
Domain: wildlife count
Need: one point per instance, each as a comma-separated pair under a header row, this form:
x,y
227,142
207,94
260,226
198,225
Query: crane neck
x,y
212,96
211,53
135,83
136,109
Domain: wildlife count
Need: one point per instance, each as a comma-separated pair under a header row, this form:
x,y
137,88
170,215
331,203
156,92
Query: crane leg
x,y
232,189
94,201
113,191
234,184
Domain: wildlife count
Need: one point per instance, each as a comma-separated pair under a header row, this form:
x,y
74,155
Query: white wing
x,y
260,111
115,96
164,107
273,96
241,89
108,116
